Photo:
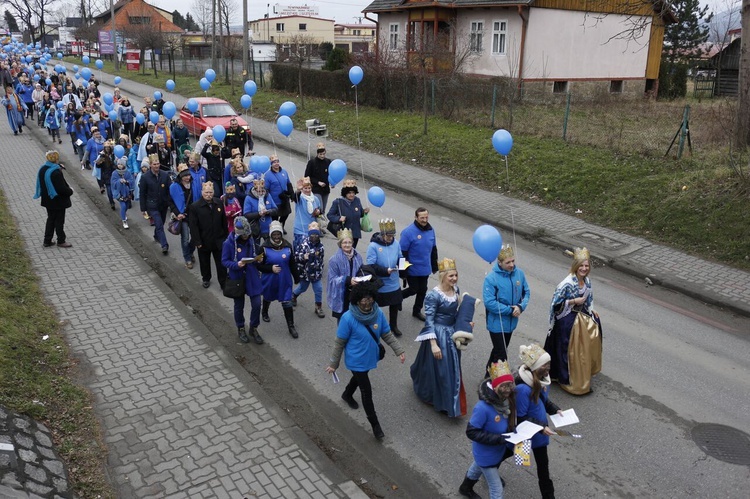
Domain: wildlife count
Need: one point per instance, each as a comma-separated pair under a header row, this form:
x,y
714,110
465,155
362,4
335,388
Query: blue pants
x,y
239,311
317,289
124,210
159,235
491,475
187,246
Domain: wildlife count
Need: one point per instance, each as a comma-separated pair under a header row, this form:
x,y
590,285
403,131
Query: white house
x,y
548,45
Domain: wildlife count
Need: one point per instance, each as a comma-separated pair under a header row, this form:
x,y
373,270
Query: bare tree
x,y
145,36
301,49
62,12
172,42
202,13
24,12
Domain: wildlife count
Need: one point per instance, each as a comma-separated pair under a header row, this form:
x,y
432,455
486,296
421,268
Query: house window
x,y
475,36
302,27
499,30
139,20
393,36
357,32
615,86
279,26
560,87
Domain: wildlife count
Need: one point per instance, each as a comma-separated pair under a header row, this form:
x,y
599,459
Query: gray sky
x,y
341,11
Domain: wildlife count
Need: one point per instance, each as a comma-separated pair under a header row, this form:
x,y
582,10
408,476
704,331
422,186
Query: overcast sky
x,y
341,11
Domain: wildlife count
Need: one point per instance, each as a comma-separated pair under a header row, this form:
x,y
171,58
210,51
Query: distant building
x,y
283,30
134,14
355,38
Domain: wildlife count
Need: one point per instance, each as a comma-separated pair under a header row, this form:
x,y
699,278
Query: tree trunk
x,y
742,130
299,82
153,62
424,101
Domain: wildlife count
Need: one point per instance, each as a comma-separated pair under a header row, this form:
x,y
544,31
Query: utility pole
x,y
245,38
114,33
213,33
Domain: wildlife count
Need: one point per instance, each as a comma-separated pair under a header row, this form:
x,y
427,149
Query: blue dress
x,y
439,382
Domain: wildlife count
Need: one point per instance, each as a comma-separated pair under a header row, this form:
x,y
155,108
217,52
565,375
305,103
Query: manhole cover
x,y
722,442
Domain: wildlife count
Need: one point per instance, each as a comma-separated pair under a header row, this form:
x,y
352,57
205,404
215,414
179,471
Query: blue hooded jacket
x,y
503,290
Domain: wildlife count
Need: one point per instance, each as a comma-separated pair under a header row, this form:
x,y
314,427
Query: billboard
x,y
296,10
106,42
133,60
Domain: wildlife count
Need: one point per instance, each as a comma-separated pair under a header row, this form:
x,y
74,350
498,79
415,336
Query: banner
x,y
106,42
133,60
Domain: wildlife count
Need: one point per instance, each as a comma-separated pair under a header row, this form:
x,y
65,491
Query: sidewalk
x,y
709,282
180,417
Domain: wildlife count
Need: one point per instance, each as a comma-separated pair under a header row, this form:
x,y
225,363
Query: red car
x,y
211,112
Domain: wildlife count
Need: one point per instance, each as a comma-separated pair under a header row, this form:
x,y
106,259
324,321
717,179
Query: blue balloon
x,y
153,117
487,242
205,84
246,101
285,125
331,181
168,110
85,59
502,141
170,85
250,87
78,76
255,164
117,80
356,75
192,105
119,151
48,81
108,98
157,95
264,164
99,64
108,107
337,171
36,77
59,105
113,115
59,55
140,118
210,75
86,74
376,196
288,109
219,133
75,68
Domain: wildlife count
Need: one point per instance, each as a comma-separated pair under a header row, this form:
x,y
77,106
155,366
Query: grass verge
x,y
36,374
697,204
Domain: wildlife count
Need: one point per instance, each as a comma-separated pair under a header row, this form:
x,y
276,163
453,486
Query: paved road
x,y
181,417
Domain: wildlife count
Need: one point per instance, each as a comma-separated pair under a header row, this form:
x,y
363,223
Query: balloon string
x,y
513,227
359,145
289,139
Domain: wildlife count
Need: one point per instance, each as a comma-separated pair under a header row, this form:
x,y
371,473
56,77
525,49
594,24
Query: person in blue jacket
x,y
198,173
418,244
54,119
307,211
279,270
260,209
348,210
123,184
506,295
280,188
236,255
180,199
81,136
383,255
533,404
493,415
358,335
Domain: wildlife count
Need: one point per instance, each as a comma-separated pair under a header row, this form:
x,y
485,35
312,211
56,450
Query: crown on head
x,y
345,234
153,158
531,355
580,254
259,183
446,264
350,182
388,226
306,181
499,373
506,251
236,151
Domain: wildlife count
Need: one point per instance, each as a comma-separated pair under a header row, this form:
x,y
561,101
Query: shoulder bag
x,y
174,226
335,227
235,288
381,348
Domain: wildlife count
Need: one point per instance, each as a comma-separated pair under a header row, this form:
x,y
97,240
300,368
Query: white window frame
x,y
279,25
476,36
393,35
499,34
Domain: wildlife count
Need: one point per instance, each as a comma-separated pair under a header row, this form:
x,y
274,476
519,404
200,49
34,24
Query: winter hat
x,y
122,162
533,356
275,227
242,227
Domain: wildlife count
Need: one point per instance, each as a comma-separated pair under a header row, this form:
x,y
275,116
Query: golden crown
x,y
579,254
153,158
387,226
306,181
258,183
345,234
236,151
181,167
506,251
350,182
446,264
529,355
498,369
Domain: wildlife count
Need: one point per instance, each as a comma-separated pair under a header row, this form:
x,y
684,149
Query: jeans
x,y
317,289
108,187
55,224
239,311
187,246
124,210
491,475
159,236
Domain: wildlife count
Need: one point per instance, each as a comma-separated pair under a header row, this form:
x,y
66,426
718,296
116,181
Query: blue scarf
x,y
362,318
51,192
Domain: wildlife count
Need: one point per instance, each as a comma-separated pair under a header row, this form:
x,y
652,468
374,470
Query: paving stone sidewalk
x,y
707,281
180,417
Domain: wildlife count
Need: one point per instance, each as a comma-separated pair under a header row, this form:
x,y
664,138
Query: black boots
x,y
264,311
393,320
467,488
256,336
289,316
376,429
319,310
243,335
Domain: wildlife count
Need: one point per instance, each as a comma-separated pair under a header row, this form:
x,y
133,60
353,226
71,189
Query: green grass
x,y
36,375
612,168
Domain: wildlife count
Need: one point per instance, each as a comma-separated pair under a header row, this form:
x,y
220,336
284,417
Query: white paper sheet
x,y
524,431
568,417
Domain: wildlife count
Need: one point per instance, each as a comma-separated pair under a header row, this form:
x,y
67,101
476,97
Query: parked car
x,y
211,112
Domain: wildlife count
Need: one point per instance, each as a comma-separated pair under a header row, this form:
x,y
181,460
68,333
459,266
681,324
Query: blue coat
x,y
353,212
502,290
340,272
199,178
418,247
276,183
125,114
250,211
122,190
278,286
232,251
302,218
537,412
361,353
385,257
485,428
93,148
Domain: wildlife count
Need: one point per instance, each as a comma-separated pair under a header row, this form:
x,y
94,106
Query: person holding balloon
x,y
348,211
383,255
506,295
317,170
259,209
238,138
146,146
139,127
280,189
215,156
126,115
123,184
307,211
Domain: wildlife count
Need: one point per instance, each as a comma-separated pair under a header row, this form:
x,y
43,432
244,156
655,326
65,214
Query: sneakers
x,y
206,284
243,335
319,310
64,245
164,250
188,265
125,224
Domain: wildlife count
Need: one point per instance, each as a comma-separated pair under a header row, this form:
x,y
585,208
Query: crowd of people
x,y
235,220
